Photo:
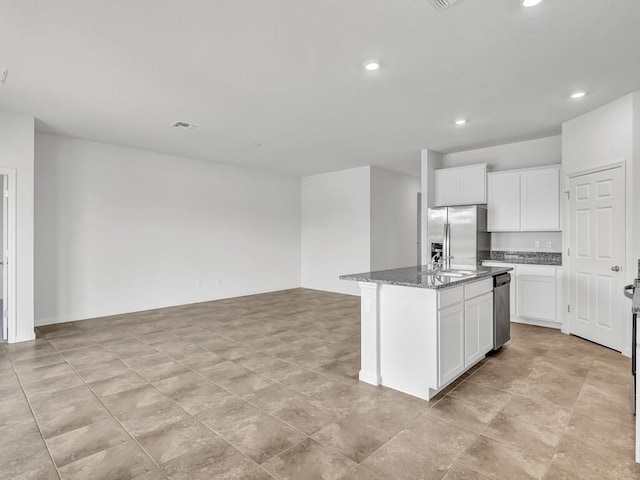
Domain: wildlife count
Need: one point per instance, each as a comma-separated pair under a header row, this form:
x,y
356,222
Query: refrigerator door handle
x,y
446,247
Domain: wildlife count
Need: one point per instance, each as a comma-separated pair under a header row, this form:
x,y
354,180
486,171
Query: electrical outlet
x,y
537,244
549,244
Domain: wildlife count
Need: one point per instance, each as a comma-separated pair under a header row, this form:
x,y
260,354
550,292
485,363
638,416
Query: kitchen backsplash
x,y
544,258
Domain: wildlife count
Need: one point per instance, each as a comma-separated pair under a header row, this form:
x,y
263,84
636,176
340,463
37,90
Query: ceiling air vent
x,y
184,125
443,4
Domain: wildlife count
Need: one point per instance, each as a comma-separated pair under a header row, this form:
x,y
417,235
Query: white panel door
x,y
503,202
596,257
540,193
450,343
447,187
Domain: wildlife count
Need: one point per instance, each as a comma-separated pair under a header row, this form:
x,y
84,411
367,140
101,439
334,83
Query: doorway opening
x,y
8,310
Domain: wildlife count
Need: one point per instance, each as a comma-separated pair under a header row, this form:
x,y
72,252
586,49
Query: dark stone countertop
x,y
411,277
527,258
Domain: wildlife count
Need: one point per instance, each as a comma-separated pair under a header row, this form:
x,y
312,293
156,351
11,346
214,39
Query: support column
x,y
370,334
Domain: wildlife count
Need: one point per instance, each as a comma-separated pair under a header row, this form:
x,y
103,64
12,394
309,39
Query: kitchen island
x,y
423,329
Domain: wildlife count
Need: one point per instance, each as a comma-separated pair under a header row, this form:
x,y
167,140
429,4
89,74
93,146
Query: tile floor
x,y
265,386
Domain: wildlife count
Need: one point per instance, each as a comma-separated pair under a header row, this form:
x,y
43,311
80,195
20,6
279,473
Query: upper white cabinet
x,y
524,200
461,185
503,203
540,194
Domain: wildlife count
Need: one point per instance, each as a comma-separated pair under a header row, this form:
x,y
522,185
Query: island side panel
x,y
408,339
370,333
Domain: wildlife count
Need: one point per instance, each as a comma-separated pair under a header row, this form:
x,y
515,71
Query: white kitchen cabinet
x,y
503,201
478,327
536,292
450,343
524,200
540,199
461,185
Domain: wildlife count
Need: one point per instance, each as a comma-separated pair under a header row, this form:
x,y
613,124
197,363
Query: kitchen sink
x,y
451,273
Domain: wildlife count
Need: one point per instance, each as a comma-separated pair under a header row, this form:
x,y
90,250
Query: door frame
x,y
626,347
10,267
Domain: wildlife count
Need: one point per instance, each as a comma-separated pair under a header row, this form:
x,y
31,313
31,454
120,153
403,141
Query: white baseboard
x,y
369,378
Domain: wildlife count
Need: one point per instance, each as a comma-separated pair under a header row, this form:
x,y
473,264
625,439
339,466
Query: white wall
x,y
510,156
603,137
17,152
394,219
526,241
336,226
122,230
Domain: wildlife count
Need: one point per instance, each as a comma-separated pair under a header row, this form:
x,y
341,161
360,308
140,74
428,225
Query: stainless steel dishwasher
x,y
501,310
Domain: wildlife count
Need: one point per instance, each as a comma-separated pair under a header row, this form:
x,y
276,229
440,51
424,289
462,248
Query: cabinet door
x,y
540,197
478,328
503,202
450,343
473,184
536,294
486,322
447,187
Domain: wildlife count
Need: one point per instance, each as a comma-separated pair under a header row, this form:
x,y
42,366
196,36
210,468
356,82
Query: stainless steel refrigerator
x,y
460,233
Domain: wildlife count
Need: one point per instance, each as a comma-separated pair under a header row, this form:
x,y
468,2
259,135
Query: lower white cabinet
x,y
536,292
450,343
465,329
478,328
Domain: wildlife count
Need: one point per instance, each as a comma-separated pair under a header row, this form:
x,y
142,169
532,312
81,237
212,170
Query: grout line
x,y
35,419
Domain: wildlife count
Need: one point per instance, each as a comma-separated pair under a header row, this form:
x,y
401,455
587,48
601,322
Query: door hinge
x,y
568,252
568,195
568,308
5,194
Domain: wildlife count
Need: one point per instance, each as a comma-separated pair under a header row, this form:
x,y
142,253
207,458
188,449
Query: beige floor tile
x,y
426,449
488,398
353,438
528,436
497,460
309,460
123,461
459,472
537,412
120,383
84,441
217,459
175,439
463,413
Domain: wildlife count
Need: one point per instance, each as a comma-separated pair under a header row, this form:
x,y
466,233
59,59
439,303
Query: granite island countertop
x,y
422,277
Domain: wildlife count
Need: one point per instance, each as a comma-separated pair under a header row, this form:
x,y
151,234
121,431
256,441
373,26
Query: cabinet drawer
x,y
450,296
478,288
536,270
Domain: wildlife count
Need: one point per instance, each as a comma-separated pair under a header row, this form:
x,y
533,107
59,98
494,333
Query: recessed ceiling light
x,y
372,65
183,125
576,95
530,3
461,121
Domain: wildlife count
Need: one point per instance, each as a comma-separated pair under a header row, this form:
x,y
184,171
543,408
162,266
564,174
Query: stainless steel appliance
x,y
501,310
628,292
458,235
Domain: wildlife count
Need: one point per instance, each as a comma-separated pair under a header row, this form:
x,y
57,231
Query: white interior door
x,y
596,257
4,224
